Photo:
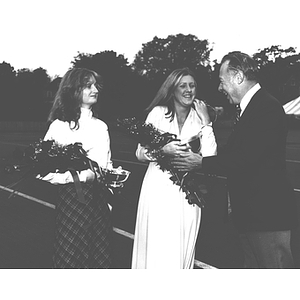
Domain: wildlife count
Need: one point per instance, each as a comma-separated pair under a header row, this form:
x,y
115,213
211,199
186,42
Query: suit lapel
x,y
248,115
253,105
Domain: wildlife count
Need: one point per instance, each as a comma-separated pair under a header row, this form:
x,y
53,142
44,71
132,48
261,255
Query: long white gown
x,y
167,225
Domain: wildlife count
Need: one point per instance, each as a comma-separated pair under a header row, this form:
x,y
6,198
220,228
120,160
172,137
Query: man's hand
x,y
174,148
187,161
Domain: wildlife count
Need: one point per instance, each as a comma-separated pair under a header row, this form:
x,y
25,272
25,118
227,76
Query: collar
x,y
86,113
246,99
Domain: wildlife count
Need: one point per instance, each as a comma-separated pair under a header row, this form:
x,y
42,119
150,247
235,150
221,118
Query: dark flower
x,y
153,139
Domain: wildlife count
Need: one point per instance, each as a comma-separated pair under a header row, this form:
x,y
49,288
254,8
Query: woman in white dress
x,y
83,230
167,225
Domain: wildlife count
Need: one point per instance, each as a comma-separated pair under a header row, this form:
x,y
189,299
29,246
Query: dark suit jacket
x,y
254,162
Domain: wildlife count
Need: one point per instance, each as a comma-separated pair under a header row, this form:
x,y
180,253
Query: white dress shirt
x,y
248,96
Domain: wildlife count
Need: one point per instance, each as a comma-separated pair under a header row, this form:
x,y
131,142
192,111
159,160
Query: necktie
x,y
237,114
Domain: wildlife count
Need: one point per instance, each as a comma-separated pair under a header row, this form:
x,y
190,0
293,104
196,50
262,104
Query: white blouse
x,y
92,134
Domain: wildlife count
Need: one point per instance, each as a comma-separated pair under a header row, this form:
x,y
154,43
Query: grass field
x,y
27,227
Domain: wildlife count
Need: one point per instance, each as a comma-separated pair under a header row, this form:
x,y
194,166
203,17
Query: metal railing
x,y
122,232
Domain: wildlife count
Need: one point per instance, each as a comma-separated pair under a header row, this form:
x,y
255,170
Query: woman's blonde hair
x,y
165,95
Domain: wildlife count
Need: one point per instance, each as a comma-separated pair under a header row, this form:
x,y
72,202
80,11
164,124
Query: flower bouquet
x,y
153,140
43,157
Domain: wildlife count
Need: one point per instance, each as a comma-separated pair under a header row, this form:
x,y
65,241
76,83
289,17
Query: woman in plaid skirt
x,y
83,228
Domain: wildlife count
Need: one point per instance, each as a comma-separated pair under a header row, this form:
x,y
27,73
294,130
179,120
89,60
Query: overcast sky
x,y
49,34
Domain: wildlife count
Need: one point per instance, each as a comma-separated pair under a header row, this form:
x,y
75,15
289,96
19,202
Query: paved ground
x,y
26,227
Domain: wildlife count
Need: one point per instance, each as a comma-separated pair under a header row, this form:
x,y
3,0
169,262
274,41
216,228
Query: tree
x,y
277,65
105,62
31,94
7,74
272,54
161,56
40,78
7,90
123,88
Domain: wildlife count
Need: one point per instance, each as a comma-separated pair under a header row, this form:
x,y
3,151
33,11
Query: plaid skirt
x,y
83,232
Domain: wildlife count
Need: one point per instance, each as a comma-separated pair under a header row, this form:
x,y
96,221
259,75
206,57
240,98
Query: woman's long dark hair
x,y
68,99
165,95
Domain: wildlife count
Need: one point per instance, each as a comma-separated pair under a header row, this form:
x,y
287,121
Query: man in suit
x,y
263,207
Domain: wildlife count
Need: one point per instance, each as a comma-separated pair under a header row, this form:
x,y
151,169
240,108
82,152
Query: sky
x,y
49,34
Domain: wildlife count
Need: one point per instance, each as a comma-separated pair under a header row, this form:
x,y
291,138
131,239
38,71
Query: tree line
x,y
128,88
